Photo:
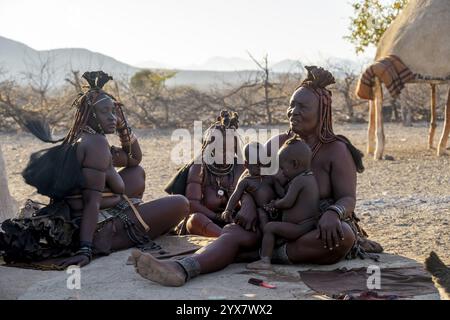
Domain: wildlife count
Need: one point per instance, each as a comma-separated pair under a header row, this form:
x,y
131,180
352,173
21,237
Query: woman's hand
x,y
247,215
227,216
330,230
270,207
246,220
78,260
121,121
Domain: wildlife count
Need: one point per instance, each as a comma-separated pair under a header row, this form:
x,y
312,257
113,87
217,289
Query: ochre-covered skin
x,y
335,171
100,176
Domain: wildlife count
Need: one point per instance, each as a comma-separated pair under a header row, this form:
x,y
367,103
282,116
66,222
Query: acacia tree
x,y
264,67
345,86
150,92
370,21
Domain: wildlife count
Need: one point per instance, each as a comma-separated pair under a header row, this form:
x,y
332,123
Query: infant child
x,y
262,188
299,207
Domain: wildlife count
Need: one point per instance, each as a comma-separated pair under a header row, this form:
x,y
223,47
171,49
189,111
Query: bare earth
x,y
404,204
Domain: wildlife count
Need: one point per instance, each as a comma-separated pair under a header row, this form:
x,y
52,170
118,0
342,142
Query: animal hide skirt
x,y
52,232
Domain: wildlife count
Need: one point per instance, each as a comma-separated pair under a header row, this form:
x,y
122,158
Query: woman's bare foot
x,y
166,273
263,264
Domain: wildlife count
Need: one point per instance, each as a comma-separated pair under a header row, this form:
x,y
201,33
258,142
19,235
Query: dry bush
x,y
152,104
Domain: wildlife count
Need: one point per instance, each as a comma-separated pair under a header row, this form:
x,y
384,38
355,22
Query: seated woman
x,y
210,184
105,204
335,162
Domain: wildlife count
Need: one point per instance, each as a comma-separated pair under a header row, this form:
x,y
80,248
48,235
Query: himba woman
x,y
335,165
211,180
94,208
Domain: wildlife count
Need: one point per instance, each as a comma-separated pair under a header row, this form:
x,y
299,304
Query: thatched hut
x,y
420,38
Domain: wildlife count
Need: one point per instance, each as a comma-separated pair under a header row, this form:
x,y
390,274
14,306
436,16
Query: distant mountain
x,y
346,64
288,66
224,64
150,64
284,66
12,54
240,64
17,59
210,79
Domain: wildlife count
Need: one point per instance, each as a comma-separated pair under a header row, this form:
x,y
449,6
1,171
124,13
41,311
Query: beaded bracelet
x,y
85,251
124,134
339,209
127,138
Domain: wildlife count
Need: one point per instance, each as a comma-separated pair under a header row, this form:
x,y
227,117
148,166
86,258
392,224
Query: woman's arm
x,y
129,154
194,192
121,157
237,195
95,163
343,179
227,215
343,183
96,160
247,214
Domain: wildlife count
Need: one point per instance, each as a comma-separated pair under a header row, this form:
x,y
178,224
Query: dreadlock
x,y
317,80
178,183
55,172
225,120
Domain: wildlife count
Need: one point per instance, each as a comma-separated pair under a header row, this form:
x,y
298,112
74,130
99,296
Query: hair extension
x,y
85,103
225,120
317,80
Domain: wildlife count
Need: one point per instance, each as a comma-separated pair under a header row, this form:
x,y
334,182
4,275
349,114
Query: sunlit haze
x,y
183,33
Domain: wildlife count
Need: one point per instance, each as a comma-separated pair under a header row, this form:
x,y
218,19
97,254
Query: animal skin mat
x,y
394,283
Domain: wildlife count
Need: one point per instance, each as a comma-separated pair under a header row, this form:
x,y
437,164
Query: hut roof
x,y
420,37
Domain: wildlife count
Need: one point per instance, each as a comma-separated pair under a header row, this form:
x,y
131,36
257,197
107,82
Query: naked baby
x,y
299,207
263,188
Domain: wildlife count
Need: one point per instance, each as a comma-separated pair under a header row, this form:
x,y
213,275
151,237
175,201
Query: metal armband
x,y
339,209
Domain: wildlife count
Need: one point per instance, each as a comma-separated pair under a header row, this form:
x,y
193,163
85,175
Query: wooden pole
x,y
371,129
379,149
432,117
446,131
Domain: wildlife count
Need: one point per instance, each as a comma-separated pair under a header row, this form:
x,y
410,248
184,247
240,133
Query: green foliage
x,y
372,18
150,81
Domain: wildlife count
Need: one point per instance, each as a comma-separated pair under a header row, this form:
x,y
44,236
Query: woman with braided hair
x,y
335,164
106,210
211,183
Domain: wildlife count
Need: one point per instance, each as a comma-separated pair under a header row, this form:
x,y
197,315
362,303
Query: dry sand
x,y
404,204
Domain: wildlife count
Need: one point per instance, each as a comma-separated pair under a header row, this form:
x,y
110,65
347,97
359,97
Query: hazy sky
x,y
181,33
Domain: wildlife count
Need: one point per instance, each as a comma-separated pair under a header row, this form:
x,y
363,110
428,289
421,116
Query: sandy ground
x,y
404,204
